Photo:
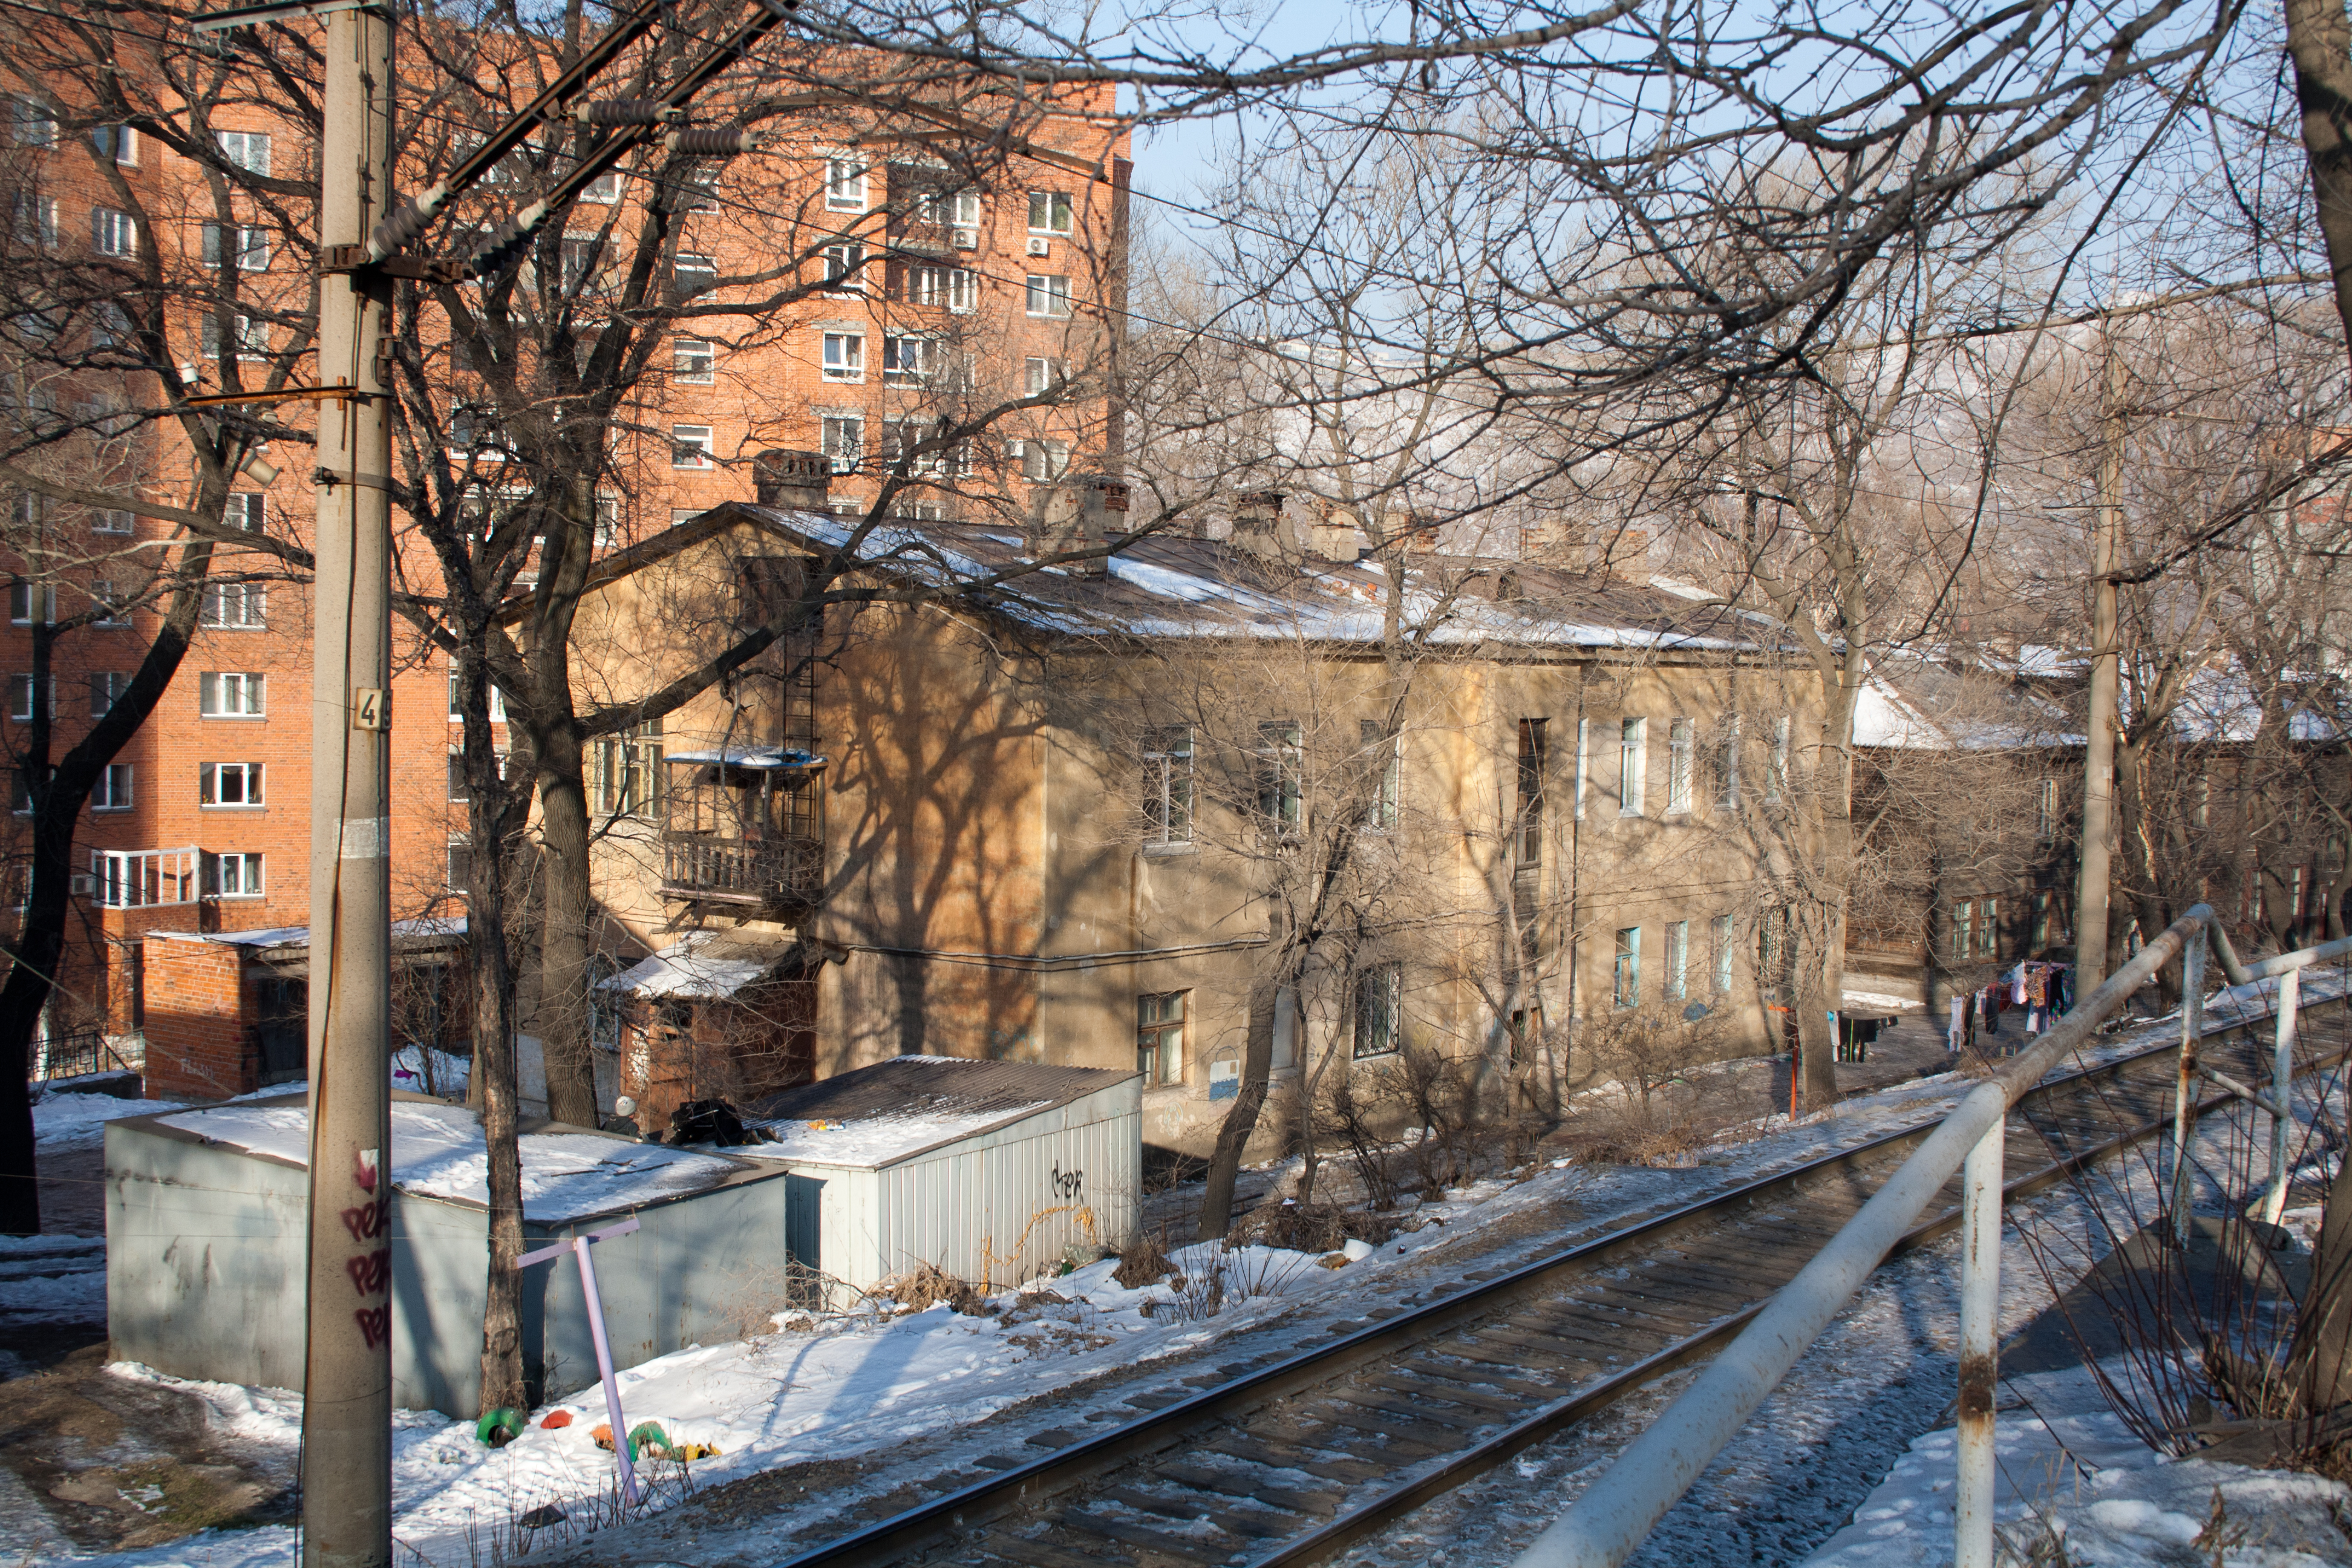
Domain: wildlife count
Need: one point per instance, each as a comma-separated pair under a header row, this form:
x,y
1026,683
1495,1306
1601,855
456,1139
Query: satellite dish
x,y
1695,1012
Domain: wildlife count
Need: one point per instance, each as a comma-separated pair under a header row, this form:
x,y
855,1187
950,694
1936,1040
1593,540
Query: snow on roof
x,y
707,966
438,1151
750,757
878,1115
431,926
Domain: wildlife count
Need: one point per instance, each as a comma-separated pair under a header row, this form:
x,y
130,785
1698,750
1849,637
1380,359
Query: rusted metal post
x,y
2184,1095
1972,1539
2281,1093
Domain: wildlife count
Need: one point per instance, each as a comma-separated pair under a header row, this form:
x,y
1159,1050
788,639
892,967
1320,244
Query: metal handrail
x,y
1619,1510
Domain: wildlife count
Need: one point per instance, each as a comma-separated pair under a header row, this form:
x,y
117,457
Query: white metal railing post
x,y
2185,1089
1980,1178
2281,1093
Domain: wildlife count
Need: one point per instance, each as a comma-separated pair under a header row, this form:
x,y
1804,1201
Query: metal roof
x,y
938,1085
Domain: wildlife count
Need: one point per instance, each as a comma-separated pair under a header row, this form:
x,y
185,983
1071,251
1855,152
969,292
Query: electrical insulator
x,y
711,141
623,112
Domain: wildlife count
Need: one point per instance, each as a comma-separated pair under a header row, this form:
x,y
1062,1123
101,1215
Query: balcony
x,y
138,879
745,828
775,874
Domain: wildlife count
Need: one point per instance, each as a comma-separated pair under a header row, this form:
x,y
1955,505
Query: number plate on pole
x,y
371,707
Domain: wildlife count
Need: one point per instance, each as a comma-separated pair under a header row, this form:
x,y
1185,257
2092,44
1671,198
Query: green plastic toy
x,y
498,1428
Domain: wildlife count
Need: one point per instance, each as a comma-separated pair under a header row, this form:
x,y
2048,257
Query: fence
x,y
1613,1515
76,1055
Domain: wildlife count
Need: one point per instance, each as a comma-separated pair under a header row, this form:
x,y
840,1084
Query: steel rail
x,y
924,1524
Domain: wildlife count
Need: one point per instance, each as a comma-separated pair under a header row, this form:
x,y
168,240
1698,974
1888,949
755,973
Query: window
x,y
1048,295
250,336
112,790
1722,954
34,123
1632,765
233,876
1963,930
1988,926
1049,212
693,274
2045,822
1041,460
1777,783
1678,960
1772,954
627,777
1280,775
1040,376
234,605
1529,824
244,246
690,446
457,788
2040,921
105,686
692,361
246,149
604,188
845,442
845,267
36,220
457,712
230,696
1383,759
955,288
228,783
1160,1037
20,697
1583,737
114,233
110,325
245,510
907,362
119,143
581,257
1380,1010
1678,767
844,184
108,520
1625,977
32,602
460,865
113,608
1168,785
844,356
1727,763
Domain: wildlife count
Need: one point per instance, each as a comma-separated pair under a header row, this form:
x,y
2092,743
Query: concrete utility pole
x,y
2099,758
347,1366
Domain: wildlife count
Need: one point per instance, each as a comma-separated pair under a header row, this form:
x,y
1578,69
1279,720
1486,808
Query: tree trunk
x,y
2319,44
22,999
1241,1121
566,941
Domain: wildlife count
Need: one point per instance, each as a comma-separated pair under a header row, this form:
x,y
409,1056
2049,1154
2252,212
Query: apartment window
x,y
1632,765
1531,815
954,287
235,605
1963,930
244,246
1678,960
1168,785
114,233
844,186
907,362
690,446
1772,954
580,256
1777,783
113,608
606,188
105,686
2040,921
1160,1037
845,442
1048,295
230,695
1383,752
457,789
2045,819
20,697
118,142
246,149
1625,975
30,603
1678,767
34,123
107,520
1727,763
250,337
228,783
628,773
235,875
692,361
460,865
1722,954
845,267
1040,376
1380,1010
1988,926
246,511
112,790
693,274
36,220
1583,738
1280,768
1049,212
1040,460
844,356
456,708
2200,801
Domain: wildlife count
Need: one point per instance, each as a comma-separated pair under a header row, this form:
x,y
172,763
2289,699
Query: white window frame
x,y
246,149
118,141
232,694
1167,1033
1058,206
247,509
1727,765
1041,459
604,189
679,270
1633,766
1040,375
249,876
110,520
1626,970
1776,784
845,178
37,219
694,362
251,779
913,370
32,604
1377,1029
250,246
1680,740
112,790
20,697
498,702
235,606
843,359
1677,979
105,687
694,440
113,232
1726,953
847,456
1047,296
33,122
1169,799
242,328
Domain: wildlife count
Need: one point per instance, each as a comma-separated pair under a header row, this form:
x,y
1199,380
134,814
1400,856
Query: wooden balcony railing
x,y
771,872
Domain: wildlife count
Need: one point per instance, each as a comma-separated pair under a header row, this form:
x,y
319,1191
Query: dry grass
x,y
1308,1228
1145,1262
926,1284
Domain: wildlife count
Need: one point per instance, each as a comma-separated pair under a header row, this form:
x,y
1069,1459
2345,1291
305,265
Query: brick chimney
x,y
1555,543
1624,558
1258,524
795,481
1078,514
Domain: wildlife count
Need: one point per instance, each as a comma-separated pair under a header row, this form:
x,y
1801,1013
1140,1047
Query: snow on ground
x,y
896,1386
63,1120
52,1279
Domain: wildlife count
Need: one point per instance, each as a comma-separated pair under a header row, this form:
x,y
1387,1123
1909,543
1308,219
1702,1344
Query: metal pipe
x,y
1618,1509
1980,1347
2184,1094
2282,1086
605,1370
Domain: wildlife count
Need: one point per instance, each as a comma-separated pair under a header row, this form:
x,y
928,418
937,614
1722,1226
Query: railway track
x,y
1292,1458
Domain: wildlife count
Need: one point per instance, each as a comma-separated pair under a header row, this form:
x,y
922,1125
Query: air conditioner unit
x,y
967,239
1040,246
83,884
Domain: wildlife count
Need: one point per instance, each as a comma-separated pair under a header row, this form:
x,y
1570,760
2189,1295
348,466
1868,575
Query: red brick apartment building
x,y
920,284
